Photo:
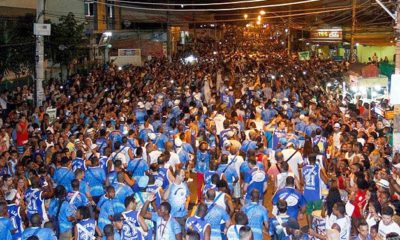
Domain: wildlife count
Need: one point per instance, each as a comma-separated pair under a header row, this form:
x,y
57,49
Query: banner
x,y
304,55
52,112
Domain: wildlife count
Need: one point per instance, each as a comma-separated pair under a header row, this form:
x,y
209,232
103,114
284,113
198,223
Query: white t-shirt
x,y
385,229
154,156
233,232
238,162
219,123
294,161
173,160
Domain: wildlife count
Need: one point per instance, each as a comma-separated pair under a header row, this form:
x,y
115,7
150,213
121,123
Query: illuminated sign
x,y
327,34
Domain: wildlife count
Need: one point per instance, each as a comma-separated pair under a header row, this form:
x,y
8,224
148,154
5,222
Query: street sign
x,y
41,29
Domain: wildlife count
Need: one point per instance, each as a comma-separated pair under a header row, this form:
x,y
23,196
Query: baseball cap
x,y
383,183
140,105
337,125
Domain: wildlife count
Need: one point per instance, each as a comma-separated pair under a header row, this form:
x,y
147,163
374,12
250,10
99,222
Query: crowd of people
x,y
197,150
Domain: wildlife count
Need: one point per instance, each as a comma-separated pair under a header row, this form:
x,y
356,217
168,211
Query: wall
x,y
30,4
58,8
364,52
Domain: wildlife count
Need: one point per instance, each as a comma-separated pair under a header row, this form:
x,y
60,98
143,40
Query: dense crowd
x,y
200,150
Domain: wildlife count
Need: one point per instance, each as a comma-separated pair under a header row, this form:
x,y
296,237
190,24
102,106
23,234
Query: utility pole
x,y
353,29
39,69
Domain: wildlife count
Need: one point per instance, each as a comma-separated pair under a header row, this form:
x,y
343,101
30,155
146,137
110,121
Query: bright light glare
x,y
245,16
108,34
190,59
377,88
262,12
120,68
329,84
215,52
259,18
258,22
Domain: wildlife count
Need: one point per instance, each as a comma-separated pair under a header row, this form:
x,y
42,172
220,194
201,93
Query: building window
x,y
110,9
89,9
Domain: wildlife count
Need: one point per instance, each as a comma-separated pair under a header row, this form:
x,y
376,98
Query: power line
x,y
188,4
207,9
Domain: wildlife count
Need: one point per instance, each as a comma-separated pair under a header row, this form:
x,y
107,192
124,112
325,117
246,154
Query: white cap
x,y
285,99
140,105
302,116
122,119
176,102
125,101
10,196
337,125
93,146
299,105
152,136
230,134
383,183
178,142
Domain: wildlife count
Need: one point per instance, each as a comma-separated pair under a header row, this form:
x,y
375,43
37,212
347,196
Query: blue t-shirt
x,y
5,228
63,176
122,191
276,229
166,229
197,224
214,216
41,233
294,200
95,178
257,181
202,161
15,218
137,167
85,228
34,202
77,199
257,215
130,227
177,198
230,173
312,188
66,211
78,163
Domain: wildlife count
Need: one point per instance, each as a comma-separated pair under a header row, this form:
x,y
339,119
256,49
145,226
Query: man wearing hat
x,y
281,225
140,113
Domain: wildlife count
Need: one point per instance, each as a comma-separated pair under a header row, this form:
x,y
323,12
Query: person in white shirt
x,y
234,229
293,158
387,225
219,122
174,158
235,160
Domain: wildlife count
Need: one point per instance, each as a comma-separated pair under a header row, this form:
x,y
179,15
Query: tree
x,y
66,40
17,45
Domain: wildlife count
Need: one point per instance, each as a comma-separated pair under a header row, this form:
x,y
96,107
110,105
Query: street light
x,y
258,22
262,12
245,16
259,18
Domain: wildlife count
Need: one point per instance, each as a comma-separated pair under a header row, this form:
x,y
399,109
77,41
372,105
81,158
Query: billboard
x,y
334,34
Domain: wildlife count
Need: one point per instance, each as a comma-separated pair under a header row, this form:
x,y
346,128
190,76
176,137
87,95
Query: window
x,y
89,9
110,9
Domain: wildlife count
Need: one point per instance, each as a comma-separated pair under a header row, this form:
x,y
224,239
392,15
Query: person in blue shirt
x,y
161,139
95,178
121,190
64,213
215,215
63,175
138,166
16,214
257,179
35,197
134,226
76,198
228,171
85,227
140,114
108,206
184,156
198,224
36,230
257,215
78,162
282,224
6,226
166,226
110,233
202,164
295,200
101,142
178,195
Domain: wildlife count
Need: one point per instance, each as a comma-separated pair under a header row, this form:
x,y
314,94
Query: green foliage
x,y
17,45
66,40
